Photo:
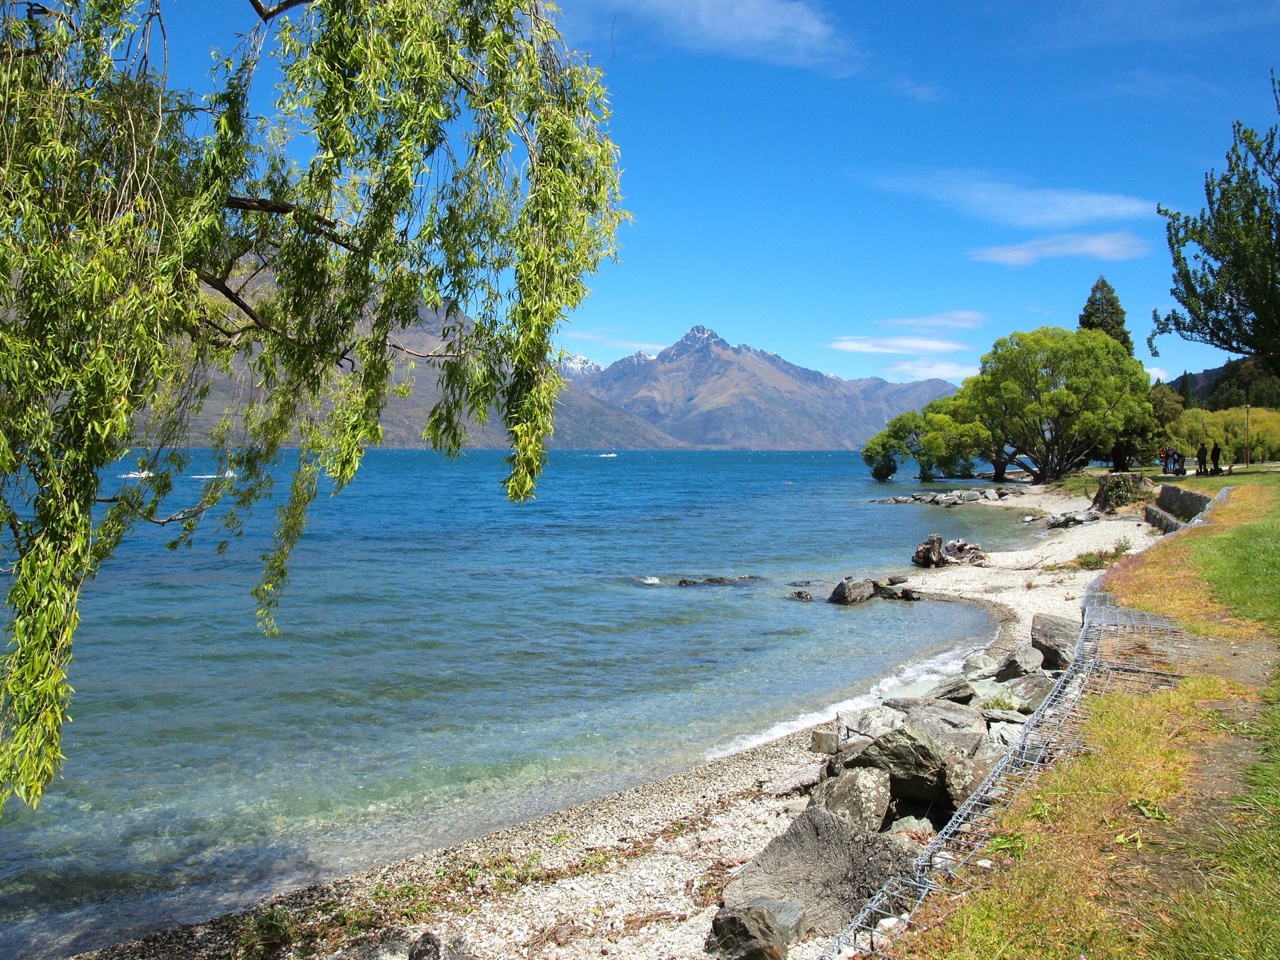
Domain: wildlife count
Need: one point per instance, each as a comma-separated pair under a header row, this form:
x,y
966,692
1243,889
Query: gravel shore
x,y
635,875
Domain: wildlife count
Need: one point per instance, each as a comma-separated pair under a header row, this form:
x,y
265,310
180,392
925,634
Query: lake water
x,y
450,663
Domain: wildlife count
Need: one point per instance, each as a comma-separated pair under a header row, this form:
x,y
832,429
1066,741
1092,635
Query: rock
x,y
929,553
686,583
913,760
798,780
955,689
869,722
799,595
1073,519
426,947
912,825
909,593
960,729
860,796
1031,690
1019,663
979,666
886,591
1001,736
962,776
897,579
823,865
1056,638
850,590
848,752
746,933
1002,716
970,496
824,741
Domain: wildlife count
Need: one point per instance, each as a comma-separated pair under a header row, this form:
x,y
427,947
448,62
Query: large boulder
x,y
980,666
1031,690
868,722
860,796
850,590
913,760
955,689
1020,661
957,727
1055,638
822,864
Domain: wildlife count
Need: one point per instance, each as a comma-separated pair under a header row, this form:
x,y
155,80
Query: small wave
x,y
650,581
909,679
606,456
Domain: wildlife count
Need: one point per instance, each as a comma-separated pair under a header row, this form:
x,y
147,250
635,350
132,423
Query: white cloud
x,y
896,345
929,369
990,198
605,338
1117,245
786,32
1158,373
919,91
946,320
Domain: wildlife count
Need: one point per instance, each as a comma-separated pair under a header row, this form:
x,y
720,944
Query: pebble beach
x,y
636,875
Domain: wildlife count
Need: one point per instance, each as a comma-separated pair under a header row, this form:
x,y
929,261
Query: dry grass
x,y
1069,849
1169,579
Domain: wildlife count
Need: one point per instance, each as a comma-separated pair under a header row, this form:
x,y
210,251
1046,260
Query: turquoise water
x,y
449,663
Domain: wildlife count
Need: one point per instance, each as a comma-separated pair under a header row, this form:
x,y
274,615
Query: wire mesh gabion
x,y
1120,650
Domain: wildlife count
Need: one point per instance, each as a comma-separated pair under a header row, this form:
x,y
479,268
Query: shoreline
x,y
636,874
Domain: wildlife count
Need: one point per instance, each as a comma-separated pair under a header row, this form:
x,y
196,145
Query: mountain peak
x,y
578,366
699,335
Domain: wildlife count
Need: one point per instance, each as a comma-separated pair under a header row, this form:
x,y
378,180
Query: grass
x,y
1065,846
1073,857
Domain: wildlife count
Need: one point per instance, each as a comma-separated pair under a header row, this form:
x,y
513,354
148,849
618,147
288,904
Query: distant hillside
x,y
706,393
698,393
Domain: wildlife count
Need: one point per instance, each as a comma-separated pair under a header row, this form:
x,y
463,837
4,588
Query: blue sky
x,y
885,189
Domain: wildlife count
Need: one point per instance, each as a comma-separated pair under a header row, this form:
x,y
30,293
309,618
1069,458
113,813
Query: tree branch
x,y
178,517
270,13
324,226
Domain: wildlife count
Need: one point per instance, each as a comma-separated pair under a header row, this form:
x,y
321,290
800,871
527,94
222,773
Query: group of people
x,y
1172,462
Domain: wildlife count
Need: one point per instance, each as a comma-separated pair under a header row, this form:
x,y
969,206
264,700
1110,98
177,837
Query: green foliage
x,y
1228,428
263,935
1053,396
1102,311
1244,381
937,438
1224,259
448,157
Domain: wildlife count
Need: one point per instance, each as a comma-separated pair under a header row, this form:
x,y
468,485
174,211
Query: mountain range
x,y
700,392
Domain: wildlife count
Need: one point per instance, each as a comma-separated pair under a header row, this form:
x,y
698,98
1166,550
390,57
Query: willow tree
x,y
447,157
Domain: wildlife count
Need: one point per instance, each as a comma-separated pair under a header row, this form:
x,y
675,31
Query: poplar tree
x,y
443,157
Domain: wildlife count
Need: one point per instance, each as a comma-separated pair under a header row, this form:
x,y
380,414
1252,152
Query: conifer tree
x,y
1102,311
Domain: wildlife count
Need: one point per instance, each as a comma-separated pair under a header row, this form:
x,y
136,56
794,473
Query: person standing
x,y
1215,454
1202,456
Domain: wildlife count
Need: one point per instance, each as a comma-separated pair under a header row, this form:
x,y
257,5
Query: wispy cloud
x,y
986,197
919,91
605,337
1116,245
1154,86
909,345
946,320
928,369
1158,373
786,32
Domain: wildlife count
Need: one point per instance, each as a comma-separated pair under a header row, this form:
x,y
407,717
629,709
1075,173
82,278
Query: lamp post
x,y
1246,434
